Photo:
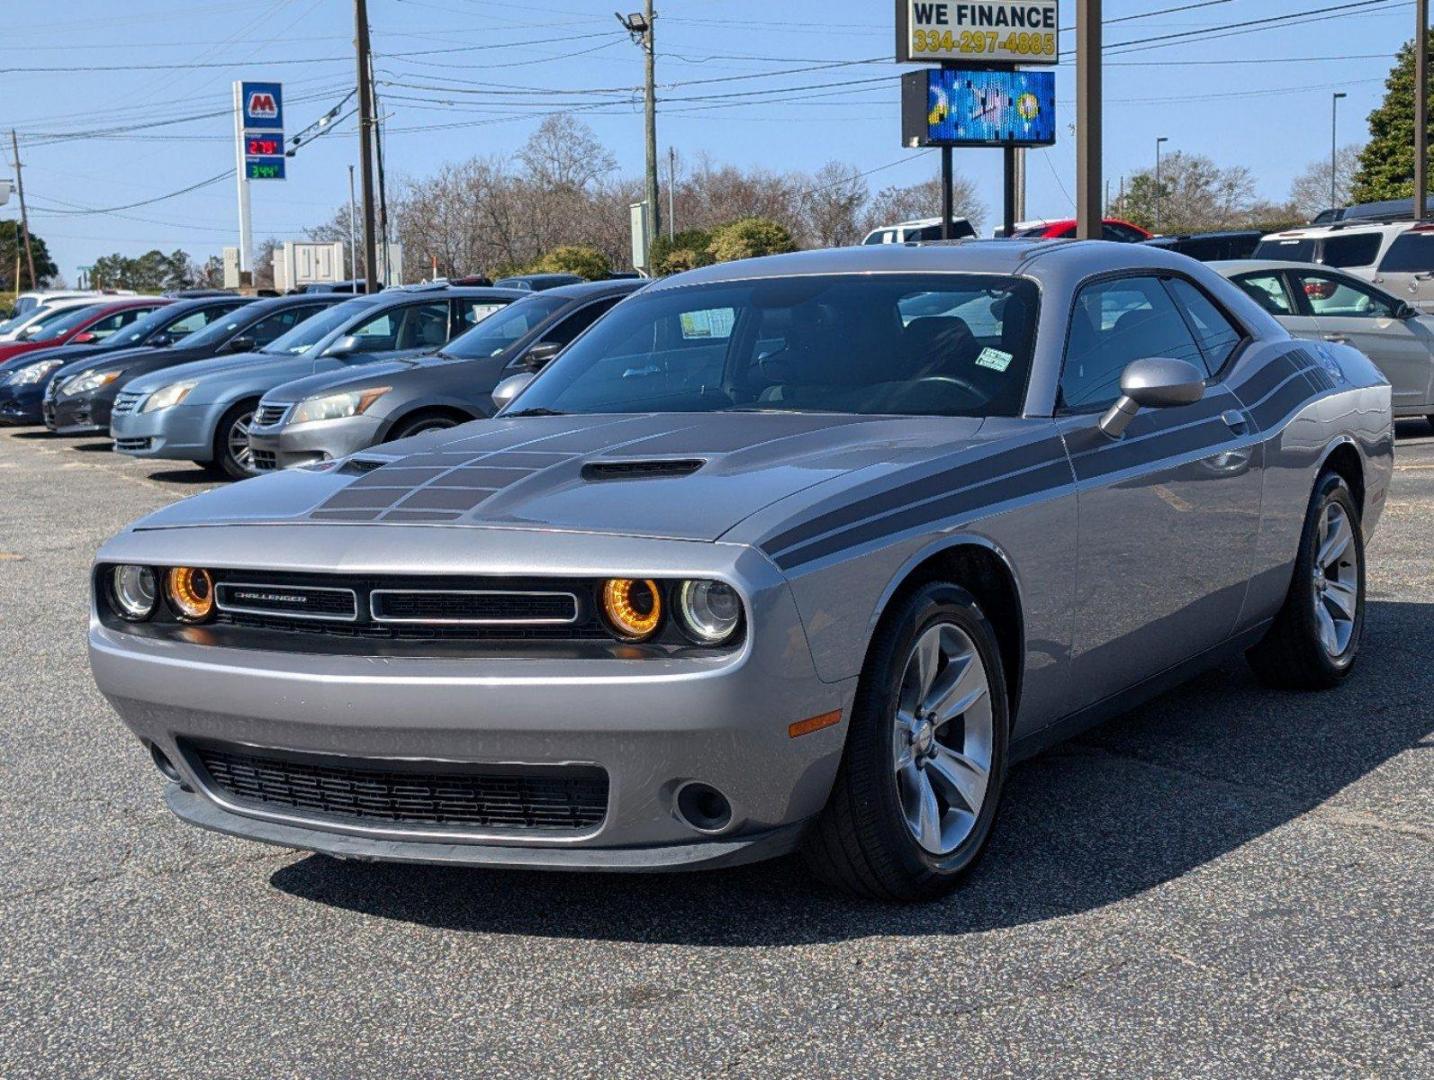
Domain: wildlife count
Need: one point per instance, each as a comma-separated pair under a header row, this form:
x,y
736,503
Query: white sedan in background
x,y
1318,302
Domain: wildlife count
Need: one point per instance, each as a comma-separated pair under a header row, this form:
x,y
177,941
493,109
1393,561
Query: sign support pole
x,y
947,210
1088,109
1421,109
241,180
1008,210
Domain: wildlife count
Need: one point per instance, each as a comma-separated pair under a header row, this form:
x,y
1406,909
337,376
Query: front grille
x,y
286,601
457,607
125,403
269,415
264,460
133,444
415,794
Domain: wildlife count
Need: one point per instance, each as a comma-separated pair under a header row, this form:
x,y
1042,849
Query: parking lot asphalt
x,y
1230,881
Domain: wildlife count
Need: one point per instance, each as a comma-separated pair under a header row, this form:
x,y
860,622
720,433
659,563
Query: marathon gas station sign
x,y
262,119
981,31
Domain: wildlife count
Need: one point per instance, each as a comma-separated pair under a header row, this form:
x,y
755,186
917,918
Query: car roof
x,y
1241,266
408,293
586,289
945,256
1346,227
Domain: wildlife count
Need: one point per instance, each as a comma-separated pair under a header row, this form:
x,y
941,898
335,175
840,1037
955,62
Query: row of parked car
x,y
243,385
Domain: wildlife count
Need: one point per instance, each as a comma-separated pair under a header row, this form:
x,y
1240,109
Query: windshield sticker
x,y
994,359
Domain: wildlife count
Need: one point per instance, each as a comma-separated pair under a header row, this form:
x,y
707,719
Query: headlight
x,y
29,376
166,396
633,608
710,610
134,591
88,381
337,406
191,593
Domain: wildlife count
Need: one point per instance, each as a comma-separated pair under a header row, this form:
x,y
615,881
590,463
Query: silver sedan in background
x,y
1324,304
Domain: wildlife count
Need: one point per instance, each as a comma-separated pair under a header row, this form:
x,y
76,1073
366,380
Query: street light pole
x,y
1159,191
1333,145
1421,108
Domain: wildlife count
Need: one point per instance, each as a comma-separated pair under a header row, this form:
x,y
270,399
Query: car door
x,y
400,330
1169,512
1351,312
1407,268
1274,291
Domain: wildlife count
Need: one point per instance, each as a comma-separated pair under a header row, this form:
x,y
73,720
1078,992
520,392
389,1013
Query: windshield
x,y
40,317
53,327
219,330
1294,250
497,333
311,331
136,332
909,344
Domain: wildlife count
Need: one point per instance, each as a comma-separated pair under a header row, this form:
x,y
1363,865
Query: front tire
x,y
1315,638
417,425
232,456
920,779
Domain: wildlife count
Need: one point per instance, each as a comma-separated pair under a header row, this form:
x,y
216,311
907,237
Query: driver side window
x,y
1113,324
1337,296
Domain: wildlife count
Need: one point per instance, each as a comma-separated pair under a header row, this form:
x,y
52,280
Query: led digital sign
x,y
952,107
263,145
264,168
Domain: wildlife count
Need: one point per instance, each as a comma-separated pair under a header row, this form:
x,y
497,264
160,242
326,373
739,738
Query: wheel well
x,y
458,416
981,572
1344,459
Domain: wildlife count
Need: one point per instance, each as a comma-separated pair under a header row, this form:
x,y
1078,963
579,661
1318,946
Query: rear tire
x,y
1315,638
232,456
920,779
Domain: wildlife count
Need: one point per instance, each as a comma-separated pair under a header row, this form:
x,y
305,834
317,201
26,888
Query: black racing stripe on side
x,y
1007,461
981,496
1151,422
1321,379
1281,403
1266,379
1168,444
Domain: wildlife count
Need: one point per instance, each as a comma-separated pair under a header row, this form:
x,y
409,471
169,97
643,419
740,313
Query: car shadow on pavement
x,y
93,447
1143,799
194,476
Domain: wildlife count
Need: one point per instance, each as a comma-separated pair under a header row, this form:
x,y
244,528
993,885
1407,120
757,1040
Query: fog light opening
x,y
703,807
164,765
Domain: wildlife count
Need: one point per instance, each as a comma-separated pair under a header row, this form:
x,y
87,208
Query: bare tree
x,y
1309,191
831,209
1195,194
565,153
922,200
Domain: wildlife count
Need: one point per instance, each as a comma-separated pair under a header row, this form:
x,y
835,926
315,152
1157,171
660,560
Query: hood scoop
x,y
360,466
641,469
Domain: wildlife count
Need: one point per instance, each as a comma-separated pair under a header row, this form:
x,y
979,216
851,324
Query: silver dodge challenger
x,y
797,553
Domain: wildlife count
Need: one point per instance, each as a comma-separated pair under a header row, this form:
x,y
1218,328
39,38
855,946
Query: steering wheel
x,y
952,380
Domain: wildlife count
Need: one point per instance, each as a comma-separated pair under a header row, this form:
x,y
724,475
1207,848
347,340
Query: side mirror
x,y
511,387
1406,311
1152,384
345,346
541,354
161,340
84,338
242,343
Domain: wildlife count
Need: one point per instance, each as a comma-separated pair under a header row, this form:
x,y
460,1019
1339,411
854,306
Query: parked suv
x,y
920,229
1398,256
202,411
335,414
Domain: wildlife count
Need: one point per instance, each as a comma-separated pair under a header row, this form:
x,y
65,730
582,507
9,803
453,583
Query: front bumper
x,y
651,724
179,433
81,415
22,406
287,445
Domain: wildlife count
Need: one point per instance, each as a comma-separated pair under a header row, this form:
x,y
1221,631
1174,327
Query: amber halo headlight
x,y
135,592
633,608
710,610
190,592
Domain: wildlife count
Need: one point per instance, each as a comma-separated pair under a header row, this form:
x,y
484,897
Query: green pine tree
x,y
1386,165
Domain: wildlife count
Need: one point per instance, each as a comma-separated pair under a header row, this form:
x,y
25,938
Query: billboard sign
x,y
988,31
952,107
263,104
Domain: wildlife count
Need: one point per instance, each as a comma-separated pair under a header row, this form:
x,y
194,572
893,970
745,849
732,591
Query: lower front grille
x,y
264,460
133,444
423,795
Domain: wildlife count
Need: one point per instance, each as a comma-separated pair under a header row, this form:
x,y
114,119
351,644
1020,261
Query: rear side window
x,y
1114,324
1268,290
1351,249
1291,249
1339,297
1216,334
1411,253
281,322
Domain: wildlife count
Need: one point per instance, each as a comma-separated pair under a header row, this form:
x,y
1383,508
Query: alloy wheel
x,y
942,744
1336,580
238,441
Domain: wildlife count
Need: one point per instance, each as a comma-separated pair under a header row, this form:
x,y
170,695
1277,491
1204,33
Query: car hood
x,y
111,359
669,475
342,379
218,372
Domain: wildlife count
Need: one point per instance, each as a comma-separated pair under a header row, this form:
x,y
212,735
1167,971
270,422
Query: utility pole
x,y
1159,191
365,97
1088,110
24,217
639,27
1421,110
671,192
1333,148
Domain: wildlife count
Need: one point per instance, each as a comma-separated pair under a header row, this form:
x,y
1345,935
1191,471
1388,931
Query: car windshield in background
x,y
142,327
1292,250
217,331
61,324
313,330
498,332
906,344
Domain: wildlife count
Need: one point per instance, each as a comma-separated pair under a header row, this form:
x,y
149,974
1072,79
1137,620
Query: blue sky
x,y
466,77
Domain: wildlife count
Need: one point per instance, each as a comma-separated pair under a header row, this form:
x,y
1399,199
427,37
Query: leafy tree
x,y
747,238
588,262
1386,165
1309,192
11,246
682,251
152,272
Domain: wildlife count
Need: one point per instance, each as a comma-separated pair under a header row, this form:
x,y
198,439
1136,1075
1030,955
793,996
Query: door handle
x,y
1234,420
1338,339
